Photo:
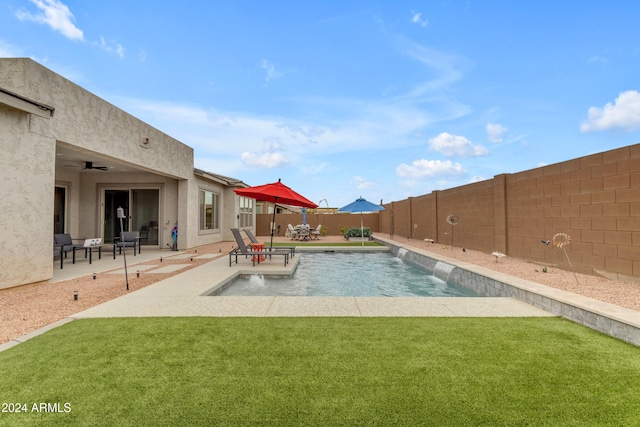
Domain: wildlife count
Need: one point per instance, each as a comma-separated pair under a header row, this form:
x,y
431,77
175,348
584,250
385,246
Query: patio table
x,y
258,247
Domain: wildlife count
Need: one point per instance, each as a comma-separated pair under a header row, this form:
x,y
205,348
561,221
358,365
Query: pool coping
x,y
182,295
610,319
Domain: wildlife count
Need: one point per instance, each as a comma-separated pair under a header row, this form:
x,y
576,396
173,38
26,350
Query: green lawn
x,y
323,371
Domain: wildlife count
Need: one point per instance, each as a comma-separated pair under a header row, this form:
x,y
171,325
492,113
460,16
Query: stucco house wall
x,y
26,167
82,124
82,119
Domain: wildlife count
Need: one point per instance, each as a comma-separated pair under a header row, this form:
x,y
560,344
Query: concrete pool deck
x,y
186,295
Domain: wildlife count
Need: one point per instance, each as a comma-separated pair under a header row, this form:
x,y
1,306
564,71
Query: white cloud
x,y
115,48
416,18
271,156
264,160
477,178
8,51
271,71
445,69
455,146
361,183
56,15
495,132
273,145
420,169
623,114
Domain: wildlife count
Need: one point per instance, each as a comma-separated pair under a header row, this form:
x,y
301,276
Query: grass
x,y
324,371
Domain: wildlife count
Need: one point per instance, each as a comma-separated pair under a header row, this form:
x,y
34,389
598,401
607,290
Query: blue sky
x,y
342,99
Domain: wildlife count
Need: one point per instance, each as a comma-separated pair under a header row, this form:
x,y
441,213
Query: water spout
x,y
257,281
442,270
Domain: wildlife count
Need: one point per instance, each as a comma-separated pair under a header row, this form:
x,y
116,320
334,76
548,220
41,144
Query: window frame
x,y
215,211
246,209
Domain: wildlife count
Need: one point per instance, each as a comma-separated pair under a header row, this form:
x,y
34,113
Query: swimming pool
x,y
349,274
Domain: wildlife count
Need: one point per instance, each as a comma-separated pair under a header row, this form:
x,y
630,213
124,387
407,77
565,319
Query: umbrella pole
x,y
361,230
273,223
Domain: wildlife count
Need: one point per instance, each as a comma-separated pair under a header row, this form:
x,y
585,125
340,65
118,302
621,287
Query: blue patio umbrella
x,y
361,205
304,216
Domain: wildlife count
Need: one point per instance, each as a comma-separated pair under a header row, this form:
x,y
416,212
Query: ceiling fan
x,y
89,165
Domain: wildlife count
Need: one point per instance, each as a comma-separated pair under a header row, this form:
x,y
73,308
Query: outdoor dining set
x,y
303,232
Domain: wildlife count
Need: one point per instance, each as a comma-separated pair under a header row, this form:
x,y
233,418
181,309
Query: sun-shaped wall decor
x,y
453,219
561,240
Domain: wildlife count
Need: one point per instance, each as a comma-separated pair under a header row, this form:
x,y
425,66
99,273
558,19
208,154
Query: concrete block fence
x,y
594,199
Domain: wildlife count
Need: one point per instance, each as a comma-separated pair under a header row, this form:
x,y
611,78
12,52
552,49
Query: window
x,y
246,212
209,210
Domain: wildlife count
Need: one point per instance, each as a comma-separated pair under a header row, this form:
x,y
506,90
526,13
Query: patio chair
x,y
130,239
315,234
255,255
293,233
253,239
63,244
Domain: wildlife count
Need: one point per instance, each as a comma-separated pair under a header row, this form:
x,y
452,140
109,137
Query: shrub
x,y
357,232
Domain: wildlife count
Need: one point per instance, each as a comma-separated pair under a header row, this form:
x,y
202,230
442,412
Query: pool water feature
x,y
442,270
349,274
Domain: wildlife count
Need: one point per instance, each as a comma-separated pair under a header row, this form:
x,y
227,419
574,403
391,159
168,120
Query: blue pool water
x,y
349,274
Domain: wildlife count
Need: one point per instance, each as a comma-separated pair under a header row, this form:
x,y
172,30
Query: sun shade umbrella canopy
x,y
361,205
276,192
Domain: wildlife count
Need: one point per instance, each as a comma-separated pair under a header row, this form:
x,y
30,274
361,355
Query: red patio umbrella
x,y
275,192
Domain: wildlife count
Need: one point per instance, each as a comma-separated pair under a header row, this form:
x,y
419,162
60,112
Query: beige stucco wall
x,y
228,209
84,120
86,123
26,165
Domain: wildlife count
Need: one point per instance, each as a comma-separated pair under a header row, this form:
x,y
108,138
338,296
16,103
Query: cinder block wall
x,y
333,223
594,199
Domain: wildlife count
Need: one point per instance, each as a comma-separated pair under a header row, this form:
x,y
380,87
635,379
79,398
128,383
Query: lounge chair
x,y
255,255
253,239
130,239
63,244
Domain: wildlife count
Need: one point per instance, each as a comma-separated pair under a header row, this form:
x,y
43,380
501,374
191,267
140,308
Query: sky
x,y
344,99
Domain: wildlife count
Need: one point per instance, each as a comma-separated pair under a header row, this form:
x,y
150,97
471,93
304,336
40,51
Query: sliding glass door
x,y
141,208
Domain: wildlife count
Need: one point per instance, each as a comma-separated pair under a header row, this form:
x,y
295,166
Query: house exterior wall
x,y
82,119
227,209
26,165
83,122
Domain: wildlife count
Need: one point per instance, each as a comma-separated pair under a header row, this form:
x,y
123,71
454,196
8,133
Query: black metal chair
x,y
130,239
63,244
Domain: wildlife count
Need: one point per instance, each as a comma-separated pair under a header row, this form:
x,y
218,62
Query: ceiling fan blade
x,y
89,165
